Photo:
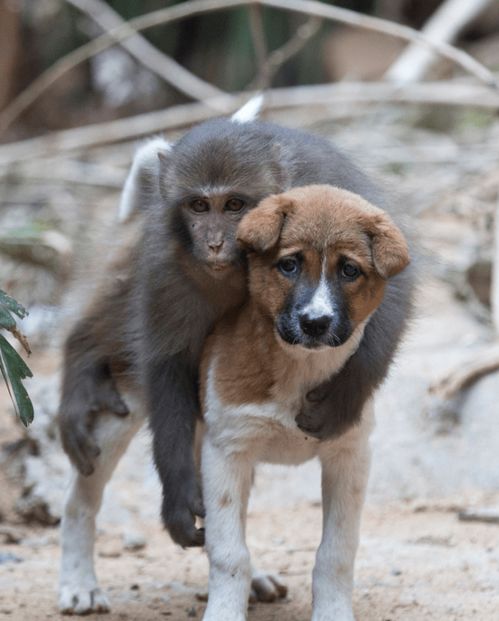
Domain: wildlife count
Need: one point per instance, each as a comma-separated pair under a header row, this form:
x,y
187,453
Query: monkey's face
x,y
209,224
212,176
319,261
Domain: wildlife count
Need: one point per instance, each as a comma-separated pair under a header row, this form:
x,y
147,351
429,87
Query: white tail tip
x,y
250,111
144,161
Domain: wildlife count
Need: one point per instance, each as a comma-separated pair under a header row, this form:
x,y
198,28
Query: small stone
x,y
10,535
110,552
135,587
134,541
487,515
192,612
7,557
396,572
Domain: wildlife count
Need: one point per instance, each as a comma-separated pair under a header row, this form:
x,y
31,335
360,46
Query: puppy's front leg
x,y
226,485
345,472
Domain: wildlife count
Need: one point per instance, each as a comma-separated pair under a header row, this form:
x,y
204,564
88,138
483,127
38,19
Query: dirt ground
x,y
413,563
417,560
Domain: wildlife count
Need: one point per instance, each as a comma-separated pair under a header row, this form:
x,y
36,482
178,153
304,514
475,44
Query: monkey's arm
x,y
87,389
331,408
173,405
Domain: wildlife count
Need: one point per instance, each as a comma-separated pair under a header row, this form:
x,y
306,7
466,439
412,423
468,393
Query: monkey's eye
x,y
350,271
198,205
234,205
289,266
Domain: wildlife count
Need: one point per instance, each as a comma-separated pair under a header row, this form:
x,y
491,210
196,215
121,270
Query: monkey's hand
x,y
83,398
179,512
314,413
333,407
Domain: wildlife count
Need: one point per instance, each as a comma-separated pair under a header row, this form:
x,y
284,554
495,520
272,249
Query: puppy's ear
x,y
389,246
261,228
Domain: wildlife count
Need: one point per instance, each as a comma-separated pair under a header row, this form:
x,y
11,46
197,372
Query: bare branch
x,y
284,53
198,7
150,57
334,13
450,93
260,45
444,26
495,271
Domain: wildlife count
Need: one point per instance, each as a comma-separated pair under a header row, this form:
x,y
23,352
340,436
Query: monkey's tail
x,y
250,111
144,166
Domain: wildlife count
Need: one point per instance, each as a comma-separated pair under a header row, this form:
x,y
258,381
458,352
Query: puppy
x,y
319,260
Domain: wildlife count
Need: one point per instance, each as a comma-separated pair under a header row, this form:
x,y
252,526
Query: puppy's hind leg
x,y
79,592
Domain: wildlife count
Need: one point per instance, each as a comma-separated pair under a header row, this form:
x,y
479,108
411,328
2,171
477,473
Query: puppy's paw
x,y
266,587
76,600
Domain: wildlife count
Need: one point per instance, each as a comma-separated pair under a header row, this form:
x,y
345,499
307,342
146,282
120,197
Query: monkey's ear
x,y
389,246
261,228
164,156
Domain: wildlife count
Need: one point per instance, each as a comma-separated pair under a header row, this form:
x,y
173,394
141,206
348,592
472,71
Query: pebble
x,y
7,557
134,541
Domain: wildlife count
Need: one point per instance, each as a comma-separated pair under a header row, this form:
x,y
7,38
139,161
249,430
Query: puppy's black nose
x,y
315,326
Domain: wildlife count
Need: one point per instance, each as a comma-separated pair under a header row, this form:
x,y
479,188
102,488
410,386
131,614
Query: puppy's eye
x,y
350,271
289,266
198,205
234,205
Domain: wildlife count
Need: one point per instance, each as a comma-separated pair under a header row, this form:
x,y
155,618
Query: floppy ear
x,y
260,229
389,246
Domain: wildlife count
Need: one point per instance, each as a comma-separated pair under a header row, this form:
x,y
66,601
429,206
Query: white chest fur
x,y
268,430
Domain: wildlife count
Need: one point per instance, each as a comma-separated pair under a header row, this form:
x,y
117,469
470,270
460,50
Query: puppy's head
x,y
319,260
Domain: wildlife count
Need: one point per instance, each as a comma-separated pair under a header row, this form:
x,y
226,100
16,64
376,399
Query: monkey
x,y
186,272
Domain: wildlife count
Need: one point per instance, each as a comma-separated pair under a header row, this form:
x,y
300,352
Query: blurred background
x,y
424,124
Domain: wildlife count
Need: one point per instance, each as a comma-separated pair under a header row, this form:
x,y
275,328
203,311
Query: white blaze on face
x,y
320,304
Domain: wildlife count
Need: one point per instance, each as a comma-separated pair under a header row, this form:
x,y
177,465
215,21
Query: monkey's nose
x,y
315,326
216,246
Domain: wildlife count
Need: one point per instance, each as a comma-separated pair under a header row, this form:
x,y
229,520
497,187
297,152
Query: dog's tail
x,y
144,168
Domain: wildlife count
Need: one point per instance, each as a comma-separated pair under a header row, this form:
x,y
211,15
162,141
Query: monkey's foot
x,y
266,587
79,600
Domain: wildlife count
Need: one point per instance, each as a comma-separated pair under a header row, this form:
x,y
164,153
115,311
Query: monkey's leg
x,y
88,389
79,592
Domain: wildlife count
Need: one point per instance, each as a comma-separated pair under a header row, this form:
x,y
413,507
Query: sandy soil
x,y
416,559
413,563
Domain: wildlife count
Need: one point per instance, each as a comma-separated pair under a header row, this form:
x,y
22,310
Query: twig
x,y
495,271
334,13
463,376
284,53
149,56
260,45
328,96
197,7
444,26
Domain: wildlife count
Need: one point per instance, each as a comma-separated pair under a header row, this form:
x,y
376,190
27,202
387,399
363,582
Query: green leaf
x,y
14,370
7,322
6,302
